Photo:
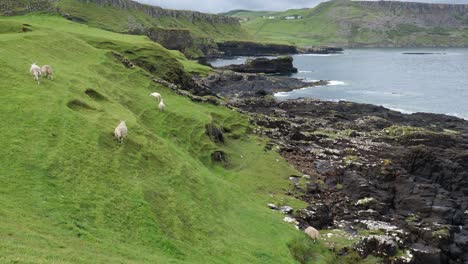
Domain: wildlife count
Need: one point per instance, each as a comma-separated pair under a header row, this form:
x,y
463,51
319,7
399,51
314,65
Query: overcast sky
x,y
217,6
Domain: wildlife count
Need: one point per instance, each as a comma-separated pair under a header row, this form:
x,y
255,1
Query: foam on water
x,y
433,84
317,55
333,83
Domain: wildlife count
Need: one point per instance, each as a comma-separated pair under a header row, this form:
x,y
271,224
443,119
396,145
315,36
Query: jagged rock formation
x,y
243,48
280,65
234,84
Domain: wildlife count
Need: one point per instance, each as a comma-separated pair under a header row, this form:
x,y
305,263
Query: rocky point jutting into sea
x,y
393,184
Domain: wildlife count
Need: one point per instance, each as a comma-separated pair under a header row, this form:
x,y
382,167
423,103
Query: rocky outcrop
x,y
403,179
242,48
232,84
280,65
173,38
320,50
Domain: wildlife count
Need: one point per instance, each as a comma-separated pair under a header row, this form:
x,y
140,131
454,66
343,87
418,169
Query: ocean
x,y
400,79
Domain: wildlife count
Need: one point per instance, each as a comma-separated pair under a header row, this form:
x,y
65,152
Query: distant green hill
x,y
70,193
362,24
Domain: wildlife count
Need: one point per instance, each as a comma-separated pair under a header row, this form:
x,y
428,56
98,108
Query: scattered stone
x,y
273,206
286,209
290,220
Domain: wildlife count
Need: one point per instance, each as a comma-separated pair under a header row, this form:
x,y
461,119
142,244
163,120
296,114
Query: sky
x,y
218,6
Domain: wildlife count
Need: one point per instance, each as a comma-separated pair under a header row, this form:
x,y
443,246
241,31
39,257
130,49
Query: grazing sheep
x,y
156,96
48,72
120,131
313,233
162,106
36,72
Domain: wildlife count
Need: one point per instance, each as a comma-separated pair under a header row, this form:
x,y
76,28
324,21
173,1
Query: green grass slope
x,y
70,194
123,20
347,23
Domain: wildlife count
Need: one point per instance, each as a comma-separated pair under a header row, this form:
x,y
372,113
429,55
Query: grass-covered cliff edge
x,y
362,24
70,193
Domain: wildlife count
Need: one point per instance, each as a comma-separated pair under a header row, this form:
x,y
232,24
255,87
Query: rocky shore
x,y
231,84
376,181
383,183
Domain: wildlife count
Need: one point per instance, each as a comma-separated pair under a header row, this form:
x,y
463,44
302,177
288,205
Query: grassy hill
x,y
362,24
191,32
123,20
70,194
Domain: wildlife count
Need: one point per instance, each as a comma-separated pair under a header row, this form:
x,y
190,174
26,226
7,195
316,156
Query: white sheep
x,y
36,72
48,72
162,106
313,233
156,96
120,131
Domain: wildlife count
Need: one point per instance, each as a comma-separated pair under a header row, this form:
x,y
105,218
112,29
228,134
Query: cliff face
x,y
18,7
418,14
158,12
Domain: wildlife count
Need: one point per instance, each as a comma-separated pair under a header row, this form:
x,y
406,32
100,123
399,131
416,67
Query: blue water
x,y
435,83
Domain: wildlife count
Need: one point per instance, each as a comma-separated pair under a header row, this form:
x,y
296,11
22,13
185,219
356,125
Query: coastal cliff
x,y
158,12
363,24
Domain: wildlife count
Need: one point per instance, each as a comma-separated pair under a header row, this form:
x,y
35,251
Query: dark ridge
x,y
78,105
95,95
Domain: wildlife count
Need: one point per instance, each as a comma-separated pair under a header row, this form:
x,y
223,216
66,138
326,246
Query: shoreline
x,y
366,168
377,97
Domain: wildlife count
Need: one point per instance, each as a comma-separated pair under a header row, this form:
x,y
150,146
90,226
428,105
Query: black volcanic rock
x,y
391,174
233,84
321,50
243,48
280,65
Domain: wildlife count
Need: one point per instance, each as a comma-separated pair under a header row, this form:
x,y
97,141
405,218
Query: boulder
x,y
317,215
424,254
380,246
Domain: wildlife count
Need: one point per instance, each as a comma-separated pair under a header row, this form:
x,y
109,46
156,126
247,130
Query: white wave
x,y
307,80
399,109
317,55
333,83
304,71
281,94
457,115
